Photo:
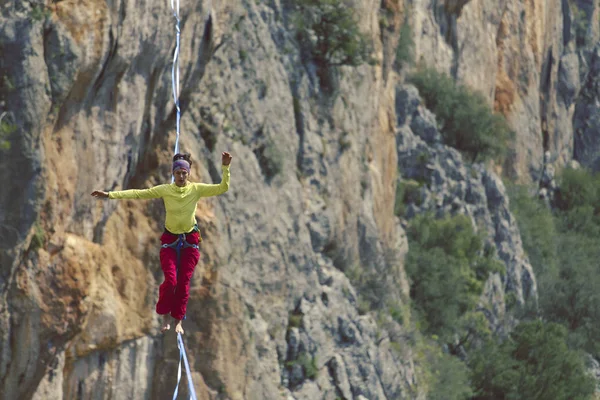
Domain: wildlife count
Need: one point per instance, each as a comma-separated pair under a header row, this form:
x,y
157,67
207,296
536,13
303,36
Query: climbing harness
x,y
180,243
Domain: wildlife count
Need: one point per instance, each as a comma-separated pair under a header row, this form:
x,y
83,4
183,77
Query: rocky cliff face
x,y
532,59
86,101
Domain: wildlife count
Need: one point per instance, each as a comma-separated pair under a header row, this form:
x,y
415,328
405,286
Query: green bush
x,y
538,231
578,187
574,300
308,364
564,249
467,123
38,238
39,12
407,191
295,320
447,377
6,129
406,46
447,268
329,29
534,363
580,23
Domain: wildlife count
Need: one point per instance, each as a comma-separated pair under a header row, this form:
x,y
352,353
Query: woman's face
x,y
181,176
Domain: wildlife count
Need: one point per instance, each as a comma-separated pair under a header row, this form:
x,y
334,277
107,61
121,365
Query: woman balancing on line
x,y
180,200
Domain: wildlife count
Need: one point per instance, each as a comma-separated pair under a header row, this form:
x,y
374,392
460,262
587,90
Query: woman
x,y
181,232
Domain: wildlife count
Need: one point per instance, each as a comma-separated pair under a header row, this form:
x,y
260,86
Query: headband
x,y
181,164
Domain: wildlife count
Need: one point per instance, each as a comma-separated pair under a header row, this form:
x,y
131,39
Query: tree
x,y
447,268
578,188
534,363
564,249
330,30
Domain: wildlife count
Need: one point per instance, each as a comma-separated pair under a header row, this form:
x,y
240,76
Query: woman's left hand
x,y
100,194
226,157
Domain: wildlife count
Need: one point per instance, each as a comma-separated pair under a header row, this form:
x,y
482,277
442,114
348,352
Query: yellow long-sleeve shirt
x,y
180,202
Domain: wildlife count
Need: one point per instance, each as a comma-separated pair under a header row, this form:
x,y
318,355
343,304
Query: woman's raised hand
x,y
226,158
100,194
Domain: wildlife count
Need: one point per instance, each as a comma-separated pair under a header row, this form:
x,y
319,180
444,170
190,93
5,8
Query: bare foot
x,y
179,328
166,326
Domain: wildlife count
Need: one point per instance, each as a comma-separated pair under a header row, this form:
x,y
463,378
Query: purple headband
x,y
181,164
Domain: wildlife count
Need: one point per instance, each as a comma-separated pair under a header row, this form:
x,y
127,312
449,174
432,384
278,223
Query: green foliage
x,y
39,12
39,237
6,129
466,121
534,363
538,230
363,306
295,320
308,364
329,29
578,188
399,313
370,286
405,50
407,191
7,84
580,24
564,249
446,377
447,267
574,300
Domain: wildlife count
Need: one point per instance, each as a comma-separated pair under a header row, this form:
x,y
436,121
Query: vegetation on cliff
x,y
563,244
464,117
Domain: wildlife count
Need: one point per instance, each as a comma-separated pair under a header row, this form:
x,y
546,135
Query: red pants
x,y
174,292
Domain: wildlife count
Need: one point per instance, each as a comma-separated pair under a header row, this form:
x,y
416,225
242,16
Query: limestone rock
x,y
450,187
86,103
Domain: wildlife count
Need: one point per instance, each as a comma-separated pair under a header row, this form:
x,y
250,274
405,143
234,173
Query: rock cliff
x,y
85,99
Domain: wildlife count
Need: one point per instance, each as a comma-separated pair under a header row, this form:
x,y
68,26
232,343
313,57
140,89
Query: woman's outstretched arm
x,y
207,190
152,193
100,194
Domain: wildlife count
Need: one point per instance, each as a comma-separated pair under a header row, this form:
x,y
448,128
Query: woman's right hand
x,y
100,194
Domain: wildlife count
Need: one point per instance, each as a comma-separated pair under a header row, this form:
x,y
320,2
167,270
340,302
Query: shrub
x,y
534,363
6,129
308,364
329,29
447,378
39,237
295,320
407,191
564,250
574,300
538,230
447,268
39,12
578,187
466,121
406,46
580,23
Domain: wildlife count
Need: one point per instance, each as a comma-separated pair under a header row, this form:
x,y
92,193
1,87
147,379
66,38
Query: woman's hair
x,y
183,156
